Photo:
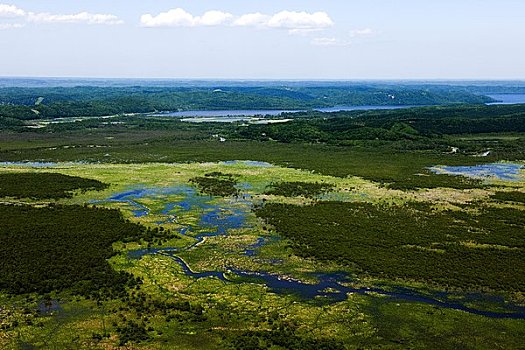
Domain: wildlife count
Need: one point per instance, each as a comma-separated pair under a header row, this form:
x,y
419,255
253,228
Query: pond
x,y
499,171
252,163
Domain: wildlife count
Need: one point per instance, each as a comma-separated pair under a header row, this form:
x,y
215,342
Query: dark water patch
x,y
235,115
507,99
190,201
243,186
139,253
226,113
169,208
48,306
330,287
214,219
223,219
189,272
501,171
253,163
253,249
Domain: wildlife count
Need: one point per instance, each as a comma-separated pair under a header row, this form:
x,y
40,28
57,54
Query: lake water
x,y
226,113
507,99
235,115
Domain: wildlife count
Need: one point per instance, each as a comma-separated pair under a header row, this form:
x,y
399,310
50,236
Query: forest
x,y
298,188
216,184
509,196
58,247
472,248
415,125
45,186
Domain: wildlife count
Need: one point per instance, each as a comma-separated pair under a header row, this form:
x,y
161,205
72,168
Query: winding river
x,y
216,220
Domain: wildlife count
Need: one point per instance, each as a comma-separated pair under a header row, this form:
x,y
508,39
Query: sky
x,y
264,39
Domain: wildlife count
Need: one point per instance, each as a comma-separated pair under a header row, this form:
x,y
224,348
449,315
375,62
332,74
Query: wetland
x,y
359,229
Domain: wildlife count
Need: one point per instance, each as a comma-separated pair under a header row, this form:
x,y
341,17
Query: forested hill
x,y
392,125
55,102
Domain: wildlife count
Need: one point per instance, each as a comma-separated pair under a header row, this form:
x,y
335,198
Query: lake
x,y
507,99
189,115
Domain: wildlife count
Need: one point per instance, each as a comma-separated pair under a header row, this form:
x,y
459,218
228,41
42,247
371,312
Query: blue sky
x,y
270,39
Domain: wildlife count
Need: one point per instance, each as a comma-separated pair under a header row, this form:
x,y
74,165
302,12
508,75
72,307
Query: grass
x,y
377,162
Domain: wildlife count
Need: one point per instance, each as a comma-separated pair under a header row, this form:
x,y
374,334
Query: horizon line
x,y
264,79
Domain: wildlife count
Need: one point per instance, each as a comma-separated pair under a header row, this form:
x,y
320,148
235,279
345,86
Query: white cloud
x,y
175,17
330,42
300,20
354,36
9,11
361,32
299,31
11,25
82,17
214,18
180,18
294,22
252,20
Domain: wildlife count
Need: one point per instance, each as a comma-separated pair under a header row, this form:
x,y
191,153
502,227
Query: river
x,y
218,219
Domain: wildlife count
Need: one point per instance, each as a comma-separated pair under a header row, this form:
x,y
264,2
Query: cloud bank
x,y
12,12
180,18
289,20
82,17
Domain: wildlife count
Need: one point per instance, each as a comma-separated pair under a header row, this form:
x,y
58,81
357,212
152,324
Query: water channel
x,y
218,219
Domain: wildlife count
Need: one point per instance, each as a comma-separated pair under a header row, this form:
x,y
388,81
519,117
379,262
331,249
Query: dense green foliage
x,y
56,102
413,124
461,249
298,188
45,185
512,196
132,332
216,184
426,179
144,307
60,247
282,337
